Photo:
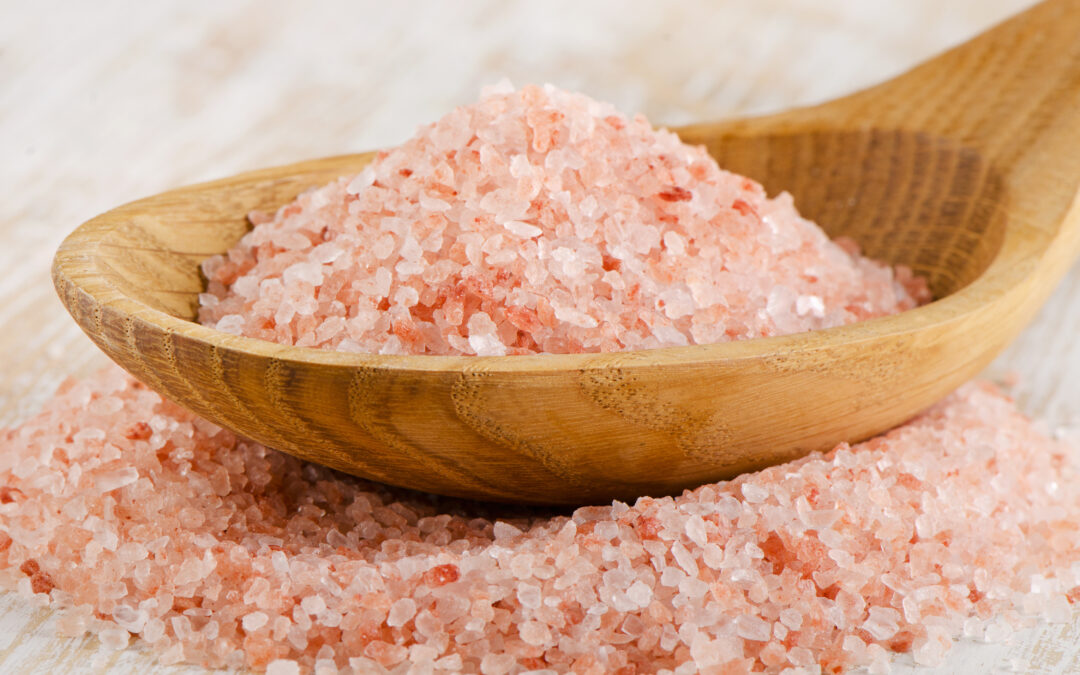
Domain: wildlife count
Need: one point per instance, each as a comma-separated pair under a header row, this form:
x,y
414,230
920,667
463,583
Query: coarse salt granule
x,y
224,553
535,221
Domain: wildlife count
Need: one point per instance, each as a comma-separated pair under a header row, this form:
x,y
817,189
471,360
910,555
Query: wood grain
x,y
976,194
104,102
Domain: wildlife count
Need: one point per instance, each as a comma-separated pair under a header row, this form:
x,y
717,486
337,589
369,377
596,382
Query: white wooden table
x,y
104,102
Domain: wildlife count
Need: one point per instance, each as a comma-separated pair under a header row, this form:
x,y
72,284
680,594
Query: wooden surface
x,y
112,102
941,170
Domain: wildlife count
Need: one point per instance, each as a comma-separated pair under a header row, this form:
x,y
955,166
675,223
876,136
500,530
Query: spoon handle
x,y
1013,93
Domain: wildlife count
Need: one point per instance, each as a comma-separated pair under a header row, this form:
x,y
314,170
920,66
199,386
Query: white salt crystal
x,y
153,630
383,247
573,316
750,627
684,558
534,633
497,664
313,604
363,180
303,272
129,618
231,323
504,530
712,555
114,480
254,621
114,638
326,667
810,304
486,344
755,494
529,596
283,667
401,612
639,593
672,576
523,230
452,663
931,650
791,618
882,623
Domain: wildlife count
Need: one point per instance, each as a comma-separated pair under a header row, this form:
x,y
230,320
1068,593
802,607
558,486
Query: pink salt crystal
x,y
601,234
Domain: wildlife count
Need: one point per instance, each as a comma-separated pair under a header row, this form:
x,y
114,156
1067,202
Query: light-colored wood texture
x,y
956,169
104,102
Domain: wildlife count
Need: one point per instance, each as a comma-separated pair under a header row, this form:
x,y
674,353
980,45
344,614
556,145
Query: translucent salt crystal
x,y
712,555
153,630
750,627
303,272
362,180
882,623
529,596
695,530
485,344
129,618
639,593
684,558
401,612
523,230
754,494
496,664
997,631
114,638
313,604
232,323
254,621
504,530
534,633
114,480
811,305
672,576
573,316
931,650
452,663
283,667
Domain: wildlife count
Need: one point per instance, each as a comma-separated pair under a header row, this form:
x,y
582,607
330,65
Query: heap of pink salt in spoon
x,y
541,221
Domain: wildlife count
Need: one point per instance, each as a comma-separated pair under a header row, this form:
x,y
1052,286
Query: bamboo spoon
x,y
965,169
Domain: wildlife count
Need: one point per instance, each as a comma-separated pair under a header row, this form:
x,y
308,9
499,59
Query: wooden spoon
x,y
966,169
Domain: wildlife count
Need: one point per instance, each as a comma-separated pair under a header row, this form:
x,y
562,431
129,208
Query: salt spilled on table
x,y
224,553
535,221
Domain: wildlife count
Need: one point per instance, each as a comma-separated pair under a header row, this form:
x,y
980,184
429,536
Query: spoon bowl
x,y
964,169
